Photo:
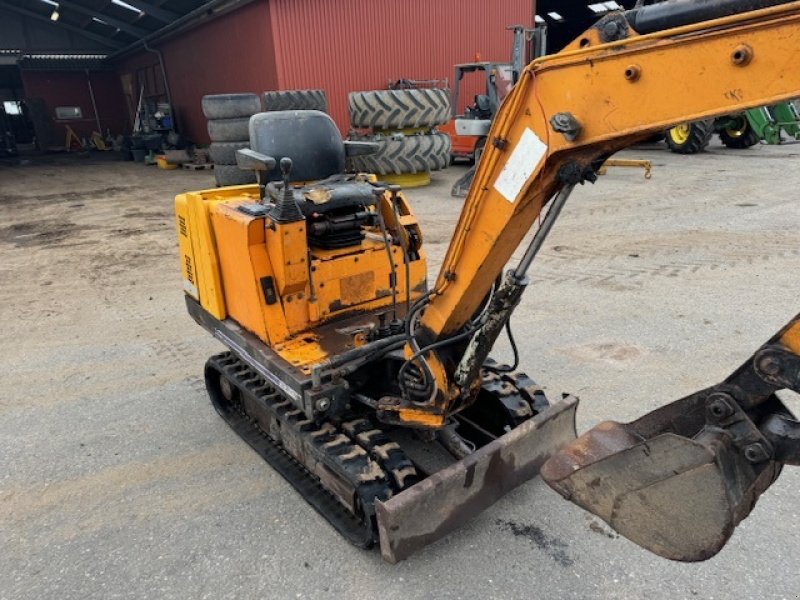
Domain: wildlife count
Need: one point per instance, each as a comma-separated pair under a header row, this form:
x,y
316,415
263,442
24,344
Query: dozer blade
x,y
678,480
444,500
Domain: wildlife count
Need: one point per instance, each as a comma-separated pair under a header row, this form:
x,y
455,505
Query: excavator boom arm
x,y
678,480
570,111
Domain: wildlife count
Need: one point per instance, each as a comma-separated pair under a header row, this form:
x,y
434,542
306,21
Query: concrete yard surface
x,y
118,479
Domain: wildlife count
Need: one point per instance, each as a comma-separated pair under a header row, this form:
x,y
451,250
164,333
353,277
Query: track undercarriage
x,y
343,468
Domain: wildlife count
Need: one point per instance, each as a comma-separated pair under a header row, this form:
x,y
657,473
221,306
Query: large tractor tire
x,y
740,135
690,138
399,109
230,106
224,153
399,154
296,100
229,130
232,175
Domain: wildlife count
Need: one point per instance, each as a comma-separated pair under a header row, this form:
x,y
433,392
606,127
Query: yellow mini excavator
x,y
372,391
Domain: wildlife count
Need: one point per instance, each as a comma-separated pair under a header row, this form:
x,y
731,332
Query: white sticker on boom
x,y
520,166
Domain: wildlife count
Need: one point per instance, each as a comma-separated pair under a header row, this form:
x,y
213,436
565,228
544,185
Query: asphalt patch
x,y
552,546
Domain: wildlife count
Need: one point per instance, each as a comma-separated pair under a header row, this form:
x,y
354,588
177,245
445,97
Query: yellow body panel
x,y
227,254
188,271
199,257
791,337
243,262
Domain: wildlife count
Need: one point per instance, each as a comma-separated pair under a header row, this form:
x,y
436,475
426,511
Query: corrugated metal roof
x,y
115,24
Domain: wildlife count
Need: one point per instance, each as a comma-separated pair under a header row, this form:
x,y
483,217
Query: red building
x,y
336,45
95,62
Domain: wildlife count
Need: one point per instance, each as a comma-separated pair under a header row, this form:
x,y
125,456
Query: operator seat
x,y
333,203
483,106
309,137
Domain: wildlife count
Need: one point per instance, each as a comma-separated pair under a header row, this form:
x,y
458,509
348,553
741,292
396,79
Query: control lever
x,y
285,209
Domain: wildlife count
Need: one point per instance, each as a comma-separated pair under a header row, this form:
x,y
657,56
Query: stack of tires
x,y
295,100
403,123
229,129
229,125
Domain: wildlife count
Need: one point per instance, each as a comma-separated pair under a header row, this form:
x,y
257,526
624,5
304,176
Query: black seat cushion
x,y
335,194
309,137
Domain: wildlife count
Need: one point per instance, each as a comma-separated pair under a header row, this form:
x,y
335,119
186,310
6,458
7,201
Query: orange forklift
x,y
468,130
500,78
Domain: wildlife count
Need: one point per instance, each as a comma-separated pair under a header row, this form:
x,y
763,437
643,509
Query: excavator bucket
x,y
432,508
679,498
678,480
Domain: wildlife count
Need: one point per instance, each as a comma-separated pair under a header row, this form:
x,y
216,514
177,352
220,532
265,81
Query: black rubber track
x,y
399,109
358,454
279,459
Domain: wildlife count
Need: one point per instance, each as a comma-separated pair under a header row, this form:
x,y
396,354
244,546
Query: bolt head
x,y
632,73
719,405
611,29
770,365
323,404
756,453
742,55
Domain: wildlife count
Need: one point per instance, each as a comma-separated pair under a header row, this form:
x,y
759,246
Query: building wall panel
x,y
50,89
349,45
233,53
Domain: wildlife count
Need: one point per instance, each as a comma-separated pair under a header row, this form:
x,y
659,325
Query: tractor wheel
x,y
230,106
740,135
229,130
224,153
690,138
296,100
400,154
399,109
232,175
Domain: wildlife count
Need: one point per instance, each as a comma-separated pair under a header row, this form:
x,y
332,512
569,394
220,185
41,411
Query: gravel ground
x,y
118,480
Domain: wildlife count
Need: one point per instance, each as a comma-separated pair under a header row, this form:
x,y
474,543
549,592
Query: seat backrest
x,y
483,104
309,137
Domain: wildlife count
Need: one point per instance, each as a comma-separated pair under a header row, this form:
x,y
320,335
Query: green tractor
x,y
743,130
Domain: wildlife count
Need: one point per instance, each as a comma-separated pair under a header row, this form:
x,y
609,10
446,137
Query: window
x,y
68,112
12,107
